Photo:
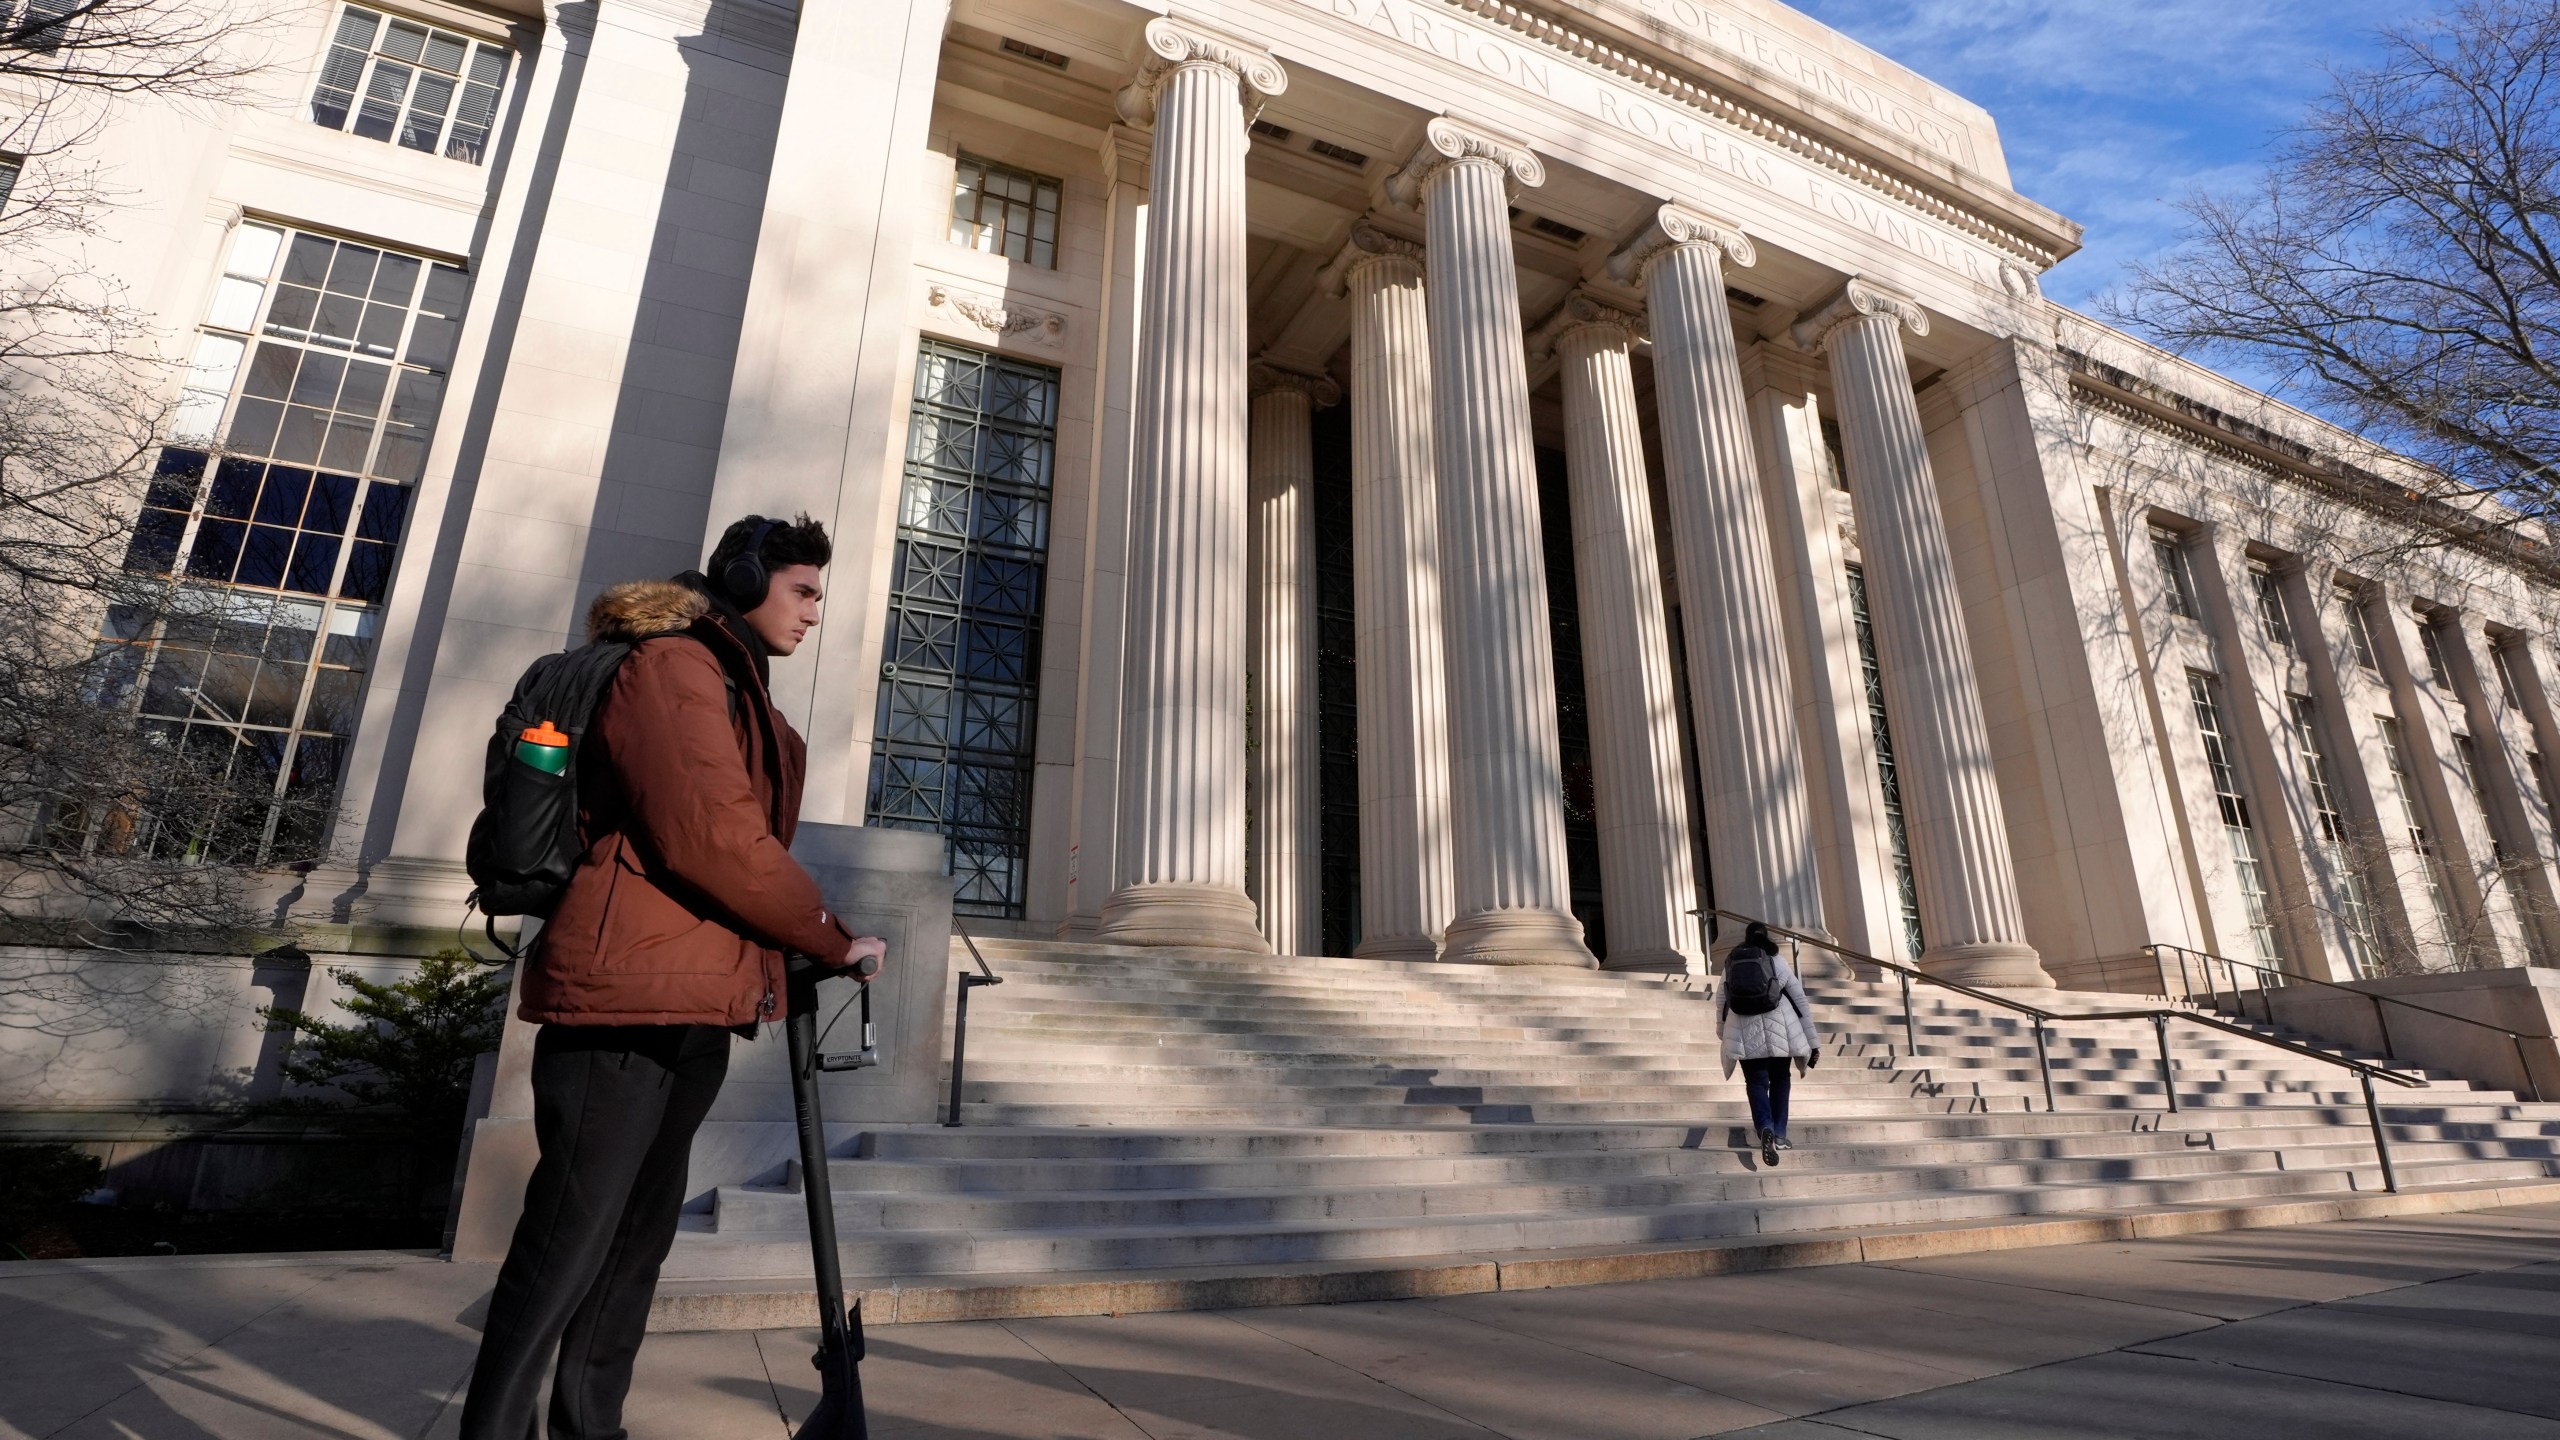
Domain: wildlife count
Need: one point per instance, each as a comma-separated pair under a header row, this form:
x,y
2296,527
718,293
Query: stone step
x,y
961,1251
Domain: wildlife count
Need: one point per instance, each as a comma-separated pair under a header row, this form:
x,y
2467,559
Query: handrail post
x,y
2044,1064
959,1048
2524,1063
2382,1022
1910,1031
2168,1076
2186,978
2381,1142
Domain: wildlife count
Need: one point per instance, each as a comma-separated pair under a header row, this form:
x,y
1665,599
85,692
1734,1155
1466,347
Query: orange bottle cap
x,y
544,734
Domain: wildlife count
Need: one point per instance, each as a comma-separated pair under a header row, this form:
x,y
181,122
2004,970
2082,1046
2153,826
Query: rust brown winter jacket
x,y
686,893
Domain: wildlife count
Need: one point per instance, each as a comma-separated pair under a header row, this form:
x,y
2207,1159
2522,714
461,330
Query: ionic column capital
x,y
1675,225
1267,378
1175,44
1368,245
1858,300
1447,142
1583,311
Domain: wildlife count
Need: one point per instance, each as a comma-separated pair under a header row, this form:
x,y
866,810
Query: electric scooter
x,y
839,1415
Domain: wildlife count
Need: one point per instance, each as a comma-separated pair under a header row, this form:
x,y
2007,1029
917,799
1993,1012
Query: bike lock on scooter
x,y
839,1415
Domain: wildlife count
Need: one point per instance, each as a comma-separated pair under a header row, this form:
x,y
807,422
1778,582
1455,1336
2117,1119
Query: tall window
x,y
2267,588
2359,629
10,168
1897,832
2206,693
2431,641
960,672
411,84
2331,835
1005,211
2502,659
2466,753
2176,580
2404,789
318,374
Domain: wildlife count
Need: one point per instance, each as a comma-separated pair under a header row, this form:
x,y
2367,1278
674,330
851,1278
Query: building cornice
x,y
2136,401
2003,219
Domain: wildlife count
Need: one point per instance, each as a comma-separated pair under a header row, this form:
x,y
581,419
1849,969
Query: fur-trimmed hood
x,y
637,609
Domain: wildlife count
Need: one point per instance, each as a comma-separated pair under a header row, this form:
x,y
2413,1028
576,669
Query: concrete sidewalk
x,y
2443,1326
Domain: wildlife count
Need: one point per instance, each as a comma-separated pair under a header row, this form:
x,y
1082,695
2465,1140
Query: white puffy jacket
x,y
1786,1030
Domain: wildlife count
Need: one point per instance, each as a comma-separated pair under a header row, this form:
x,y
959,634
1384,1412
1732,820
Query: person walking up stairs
x,y
1767,1028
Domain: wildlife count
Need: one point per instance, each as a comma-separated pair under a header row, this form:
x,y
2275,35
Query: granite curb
x,y
708,1305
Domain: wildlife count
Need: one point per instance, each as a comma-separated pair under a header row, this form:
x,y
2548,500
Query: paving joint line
x,y
1417,1398
1069,1371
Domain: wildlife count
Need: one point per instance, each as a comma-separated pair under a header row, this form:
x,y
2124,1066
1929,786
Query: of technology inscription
x,y
1712,147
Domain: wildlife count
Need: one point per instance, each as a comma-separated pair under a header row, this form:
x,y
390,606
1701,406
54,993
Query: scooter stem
x,y
839,1415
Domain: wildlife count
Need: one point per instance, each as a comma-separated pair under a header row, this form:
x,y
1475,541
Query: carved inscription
x,y
1712,26
1711,148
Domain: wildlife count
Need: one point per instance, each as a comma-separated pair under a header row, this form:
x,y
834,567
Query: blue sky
x,y
2107,108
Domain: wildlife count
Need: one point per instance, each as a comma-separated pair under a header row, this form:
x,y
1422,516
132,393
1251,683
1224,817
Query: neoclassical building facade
x,y
1409,478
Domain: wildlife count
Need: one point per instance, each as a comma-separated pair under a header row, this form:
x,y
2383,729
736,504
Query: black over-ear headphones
x,y
744,579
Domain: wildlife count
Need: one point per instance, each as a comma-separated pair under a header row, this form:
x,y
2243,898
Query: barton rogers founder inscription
x,y
1713,149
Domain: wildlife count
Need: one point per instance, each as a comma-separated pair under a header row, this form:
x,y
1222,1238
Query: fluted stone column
x,y
1405,895
1506,807
1950,796
1646,875
1288,886
1182,774
1760,850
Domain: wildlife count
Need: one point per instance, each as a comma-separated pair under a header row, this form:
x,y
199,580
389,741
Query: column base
x,y
1199,917
1517,937
2004,963
1412,949
1663,961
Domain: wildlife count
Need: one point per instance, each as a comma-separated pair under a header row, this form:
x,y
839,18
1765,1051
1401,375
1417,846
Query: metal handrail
x,y
960,1017
2283,978
2159,1018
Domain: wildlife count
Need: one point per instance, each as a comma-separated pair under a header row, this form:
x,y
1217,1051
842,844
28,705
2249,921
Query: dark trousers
x,y
614,1110
1767,1082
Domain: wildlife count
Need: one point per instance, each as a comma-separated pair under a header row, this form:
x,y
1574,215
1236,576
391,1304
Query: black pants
x,y
1767,1082
614,1110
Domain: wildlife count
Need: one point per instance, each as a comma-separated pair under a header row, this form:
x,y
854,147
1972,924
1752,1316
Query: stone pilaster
x,y
1506,806
1951,798
1181,837
1288,888
1405,895
1759,824
1093,850
1647,876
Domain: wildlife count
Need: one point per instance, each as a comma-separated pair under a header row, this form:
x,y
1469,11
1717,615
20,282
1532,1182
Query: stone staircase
x,y
1146,1111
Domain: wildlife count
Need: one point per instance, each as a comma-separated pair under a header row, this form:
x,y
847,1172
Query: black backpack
x,y
525,841
1751,982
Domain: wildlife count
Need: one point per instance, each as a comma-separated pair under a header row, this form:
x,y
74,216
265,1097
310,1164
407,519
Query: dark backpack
x,y
1751,982
525,841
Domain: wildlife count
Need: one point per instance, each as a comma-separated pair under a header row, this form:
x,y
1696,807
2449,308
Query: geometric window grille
x,y
960,665
1897,831
303,425
1005,211
419,87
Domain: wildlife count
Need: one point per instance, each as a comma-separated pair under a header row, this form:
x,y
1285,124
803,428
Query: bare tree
x,y
2397,267
117,829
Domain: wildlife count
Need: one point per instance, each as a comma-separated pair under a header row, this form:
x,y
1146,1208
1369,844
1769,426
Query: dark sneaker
x,y
1783,1143
1770,1145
